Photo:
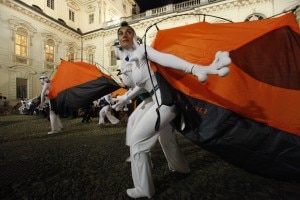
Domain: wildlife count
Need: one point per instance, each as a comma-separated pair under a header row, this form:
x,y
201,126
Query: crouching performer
x,y
105,110
141,133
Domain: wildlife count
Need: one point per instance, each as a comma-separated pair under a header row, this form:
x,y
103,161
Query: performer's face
x,y
125,36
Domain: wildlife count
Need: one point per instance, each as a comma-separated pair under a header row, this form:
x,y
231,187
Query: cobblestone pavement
x,y
88,162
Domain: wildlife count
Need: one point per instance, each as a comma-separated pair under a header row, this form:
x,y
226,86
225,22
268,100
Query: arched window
x,y
90,53
21,42
71,15
254,17
91,56
50,4
21,88
91,18
50,50
71,54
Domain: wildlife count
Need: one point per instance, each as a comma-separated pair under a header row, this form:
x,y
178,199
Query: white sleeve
x,y
44,92
130,94
118,52
167,60
219,66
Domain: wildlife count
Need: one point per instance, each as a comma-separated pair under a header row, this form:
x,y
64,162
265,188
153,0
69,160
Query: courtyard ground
x,y
88,162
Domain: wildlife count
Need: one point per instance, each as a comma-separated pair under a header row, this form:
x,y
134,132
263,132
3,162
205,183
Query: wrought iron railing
x,y
172,8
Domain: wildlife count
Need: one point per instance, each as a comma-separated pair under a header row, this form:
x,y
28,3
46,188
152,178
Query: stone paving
x,y
87,161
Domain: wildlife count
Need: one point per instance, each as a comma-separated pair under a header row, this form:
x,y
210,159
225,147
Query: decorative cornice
x,y
90,8
87,47
73,5
229,5
52,36
72,44
93,35
19,22
22,68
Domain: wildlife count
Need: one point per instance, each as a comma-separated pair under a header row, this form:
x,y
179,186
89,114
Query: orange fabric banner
x,y
119,92
239,92
70,74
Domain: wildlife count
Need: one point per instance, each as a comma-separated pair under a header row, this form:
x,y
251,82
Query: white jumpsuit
x,y
106,112
141,127
56,125
140,134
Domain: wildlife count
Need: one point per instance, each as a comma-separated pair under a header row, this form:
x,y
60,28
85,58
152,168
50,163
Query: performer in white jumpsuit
x,y
105,112
141,128
56,125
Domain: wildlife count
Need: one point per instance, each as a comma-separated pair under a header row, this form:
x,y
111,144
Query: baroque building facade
x,y
36,34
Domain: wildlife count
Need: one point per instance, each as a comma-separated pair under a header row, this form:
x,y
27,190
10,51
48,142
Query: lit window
x,y
21,42
91,18
50,4
50,51
71,55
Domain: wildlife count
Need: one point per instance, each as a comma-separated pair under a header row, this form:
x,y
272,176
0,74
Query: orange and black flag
x,y
77,84
251,117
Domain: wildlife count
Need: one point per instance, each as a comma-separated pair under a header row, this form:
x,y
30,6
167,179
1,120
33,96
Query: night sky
x,y
150,4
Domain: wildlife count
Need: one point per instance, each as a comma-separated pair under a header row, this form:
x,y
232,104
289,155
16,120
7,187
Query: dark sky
x,y
150,4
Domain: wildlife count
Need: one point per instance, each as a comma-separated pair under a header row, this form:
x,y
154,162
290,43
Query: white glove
x,y
121,101
218,66
125,108
41,106
125,99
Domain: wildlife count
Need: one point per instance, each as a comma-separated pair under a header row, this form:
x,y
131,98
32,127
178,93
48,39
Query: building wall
x,y
103,10
96,38
40,29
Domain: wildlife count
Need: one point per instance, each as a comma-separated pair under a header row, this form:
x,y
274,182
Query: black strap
x,y
153,90
157,124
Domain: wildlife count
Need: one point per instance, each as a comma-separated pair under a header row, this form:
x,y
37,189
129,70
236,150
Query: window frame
x,y
71,54
91,18
50,4
113,58
21,49
21,89
50,52
72,15
91,56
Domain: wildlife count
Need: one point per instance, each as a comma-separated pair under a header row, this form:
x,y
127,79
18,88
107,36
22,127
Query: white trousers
x,y
106,112
141,137
55,122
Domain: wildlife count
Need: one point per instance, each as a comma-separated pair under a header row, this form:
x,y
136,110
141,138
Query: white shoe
x,y
128,159
53,132
185,171
135,193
